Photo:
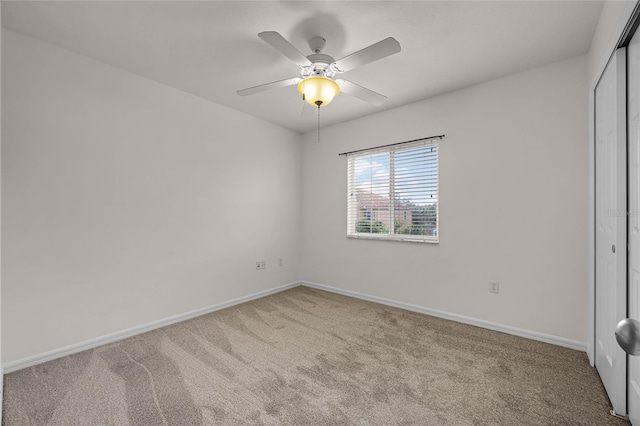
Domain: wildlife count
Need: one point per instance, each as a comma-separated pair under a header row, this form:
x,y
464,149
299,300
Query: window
x,y
393,193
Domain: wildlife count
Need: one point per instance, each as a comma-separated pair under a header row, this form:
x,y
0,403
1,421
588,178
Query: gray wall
x,y
126,201
513,204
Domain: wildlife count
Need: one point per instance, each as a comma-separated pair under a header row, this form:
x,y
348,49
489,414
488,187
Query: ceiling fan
x,y
316,83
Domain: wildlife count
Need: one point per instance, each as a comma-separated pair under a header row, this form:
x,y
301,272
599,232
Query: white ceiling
x,y
211,49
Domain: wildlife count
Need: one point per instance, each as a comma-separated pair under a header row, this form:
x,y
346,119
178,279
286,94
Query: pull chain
x,y
318,123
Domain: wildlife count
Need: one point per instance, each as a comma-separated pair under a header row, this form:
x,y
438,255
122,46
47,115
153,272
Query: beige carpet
x,y
307,357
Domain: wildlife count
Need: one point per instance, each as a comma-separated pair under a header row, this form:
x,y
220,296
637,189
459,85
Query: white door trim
x,y
633,149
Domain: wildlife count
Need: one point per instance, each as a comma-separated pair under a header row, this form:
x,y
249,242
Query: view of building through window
x,y
393,193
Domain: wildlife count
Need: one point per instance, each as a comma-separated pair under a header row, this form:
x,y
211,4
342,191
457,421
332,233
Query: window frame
x,y
351,190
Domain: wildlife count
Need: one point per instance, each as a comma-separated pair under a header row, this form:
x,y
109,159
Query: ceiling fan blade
x,y
361,93
387,47
269,86
275,40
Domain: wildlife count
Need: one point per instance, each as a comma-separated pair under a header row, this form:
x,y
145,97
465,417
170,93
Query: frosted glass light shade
x,y
318,91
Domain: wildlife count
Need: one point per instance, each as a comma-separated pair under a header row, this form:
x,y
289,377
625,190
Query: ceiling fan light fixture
x,y
318,91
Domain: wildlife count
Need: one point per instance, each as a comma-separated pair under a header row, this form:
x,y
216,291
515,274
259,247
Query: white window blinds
x,y
393,192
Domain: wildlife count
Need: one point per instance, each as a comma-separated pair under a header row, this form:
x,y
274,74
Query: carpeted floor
x,y
307,357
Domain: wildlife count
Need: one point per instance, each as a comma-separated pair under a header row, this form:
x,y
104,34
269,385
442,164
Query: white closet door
x,y
633,105
611,228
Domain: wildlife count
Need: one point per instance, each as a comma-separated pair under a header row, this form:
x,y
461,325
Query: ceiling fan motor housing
x,y
320,65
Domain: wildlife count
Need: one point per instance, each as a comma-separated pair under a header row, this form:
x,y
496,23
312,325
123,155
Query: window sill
x,y
431,240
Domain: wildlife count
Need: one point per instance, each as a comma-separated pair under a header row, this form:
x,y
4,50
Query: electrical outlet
x,y
280,262
494,287
258,266
263,264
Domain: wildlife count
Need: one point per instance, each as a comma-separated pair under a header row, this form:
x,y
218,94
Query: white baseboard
x,y
123,334
534,335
